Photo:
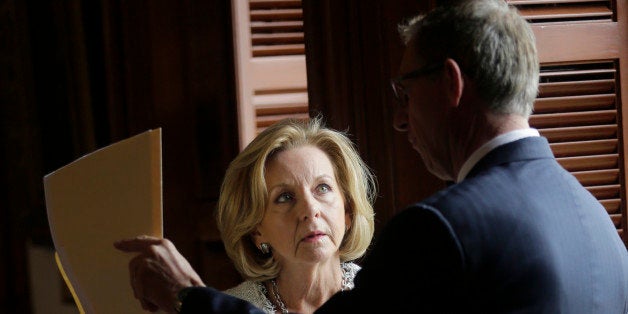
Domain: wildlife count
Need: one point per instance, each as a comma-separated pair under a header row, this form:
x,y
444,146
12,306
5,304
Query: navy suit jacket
x,y
518,235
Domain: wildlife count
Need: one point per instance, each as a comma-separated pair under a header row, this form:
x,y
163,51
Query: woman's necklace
x,y
345,285
282,306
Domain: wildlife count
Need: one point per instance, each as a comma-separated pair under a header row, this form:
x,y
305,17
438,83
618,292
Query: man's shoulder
x,y
483,195
465,192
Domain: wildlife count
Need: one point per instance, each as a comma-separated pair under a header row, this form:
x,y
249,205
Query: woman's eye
x,y
284,197
324,188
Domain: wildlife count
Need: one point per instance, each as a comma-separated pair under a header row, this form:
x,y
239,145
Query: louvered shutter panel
x,y
540,12
578,108
272,79
577,111
276,28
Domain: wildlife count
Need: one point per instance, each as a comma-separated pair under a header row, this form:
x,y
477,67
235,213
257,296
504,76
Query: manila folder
x,y
105,196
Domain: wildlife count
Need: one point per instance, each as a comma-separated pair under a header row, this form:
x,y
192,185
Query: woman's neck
x,y
303,290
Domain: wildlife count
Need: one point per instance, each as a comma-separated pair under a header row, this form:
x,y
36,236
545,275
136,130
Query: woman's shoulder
x,y
253,292
243,287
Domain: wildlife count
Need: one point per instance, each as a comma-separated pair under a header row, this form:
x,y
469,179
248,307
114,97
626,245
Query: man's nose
x,y
400,119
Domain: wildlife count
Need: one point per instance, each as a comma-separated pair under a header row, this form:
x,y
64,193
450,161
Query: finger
x,y
134,285
137,244
135,268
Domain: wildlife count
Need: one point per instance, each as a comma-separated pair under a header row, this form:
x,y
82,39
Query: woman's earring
x,y
264,247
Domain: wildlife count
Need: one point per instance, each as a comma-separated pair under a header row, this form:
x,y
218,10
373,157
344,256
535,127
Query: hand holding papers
x,y
110,194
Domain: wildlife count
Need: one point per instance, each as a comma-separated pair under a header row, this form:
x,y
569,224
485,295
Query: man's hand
x,y
158,272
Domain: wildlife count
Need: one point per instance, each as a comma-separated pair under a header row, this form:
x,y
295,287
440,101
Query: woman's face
x,y
305,217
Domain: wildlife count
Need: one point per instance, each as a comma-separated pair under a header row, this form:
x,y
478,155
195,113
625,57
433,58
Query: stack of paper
x,y
108,195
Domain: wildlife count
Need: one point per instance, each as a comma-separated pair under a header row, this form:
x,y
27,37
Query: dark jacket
x,y
519,235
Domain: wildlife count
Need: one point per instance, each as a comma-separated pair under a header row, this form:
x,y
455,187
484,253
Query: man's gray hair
x,y
491,42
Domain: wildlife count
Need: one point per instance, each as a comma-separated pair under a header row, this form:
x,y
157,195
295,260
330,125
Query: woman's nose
x,y
310,208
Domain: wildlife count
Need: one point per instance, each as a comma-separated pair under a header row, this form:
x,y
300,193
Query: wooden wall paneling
x,y
47,122
81,75
352,49
412,181
175,62
114,69
336,75
243,54
19,145
278,70
604,34
577,110
343,74
583,49
211,88
270,64
622,20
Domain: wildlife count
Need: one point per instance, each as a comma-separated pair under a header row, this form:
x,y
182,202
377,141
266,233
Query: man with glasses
x,y
515,232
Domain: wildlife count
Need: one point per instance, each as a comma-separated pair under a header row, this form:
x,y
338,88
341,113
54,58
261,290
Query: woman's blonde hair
x,y
244,196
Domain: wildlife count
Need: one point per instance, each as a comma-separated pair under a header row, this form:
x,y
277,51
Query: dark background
x,y
78,75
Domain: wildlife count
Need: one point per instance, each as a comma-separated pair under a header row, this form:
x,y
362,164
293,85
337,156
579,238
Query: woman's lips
x,y
313,236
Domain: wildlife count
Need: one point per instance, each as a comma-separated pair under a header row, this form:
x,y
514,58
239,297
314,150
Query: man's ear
x,y
454,82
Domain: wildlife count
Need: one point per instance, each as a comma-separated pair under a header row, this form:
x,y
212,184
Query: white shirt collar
x,y
492,144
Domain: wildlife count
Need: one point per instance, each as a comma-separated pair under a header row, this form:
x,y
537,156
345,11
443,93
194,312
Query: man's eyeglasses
x,y
398,89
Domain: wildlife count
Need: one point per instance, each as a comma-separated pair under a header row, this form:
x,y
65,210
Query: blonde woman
x,y
295,211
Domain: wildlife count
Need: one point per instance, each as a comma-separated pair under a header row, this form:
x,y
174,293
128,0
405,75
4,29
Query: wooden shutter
x,y
577,111
565,11
270,54
582,49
